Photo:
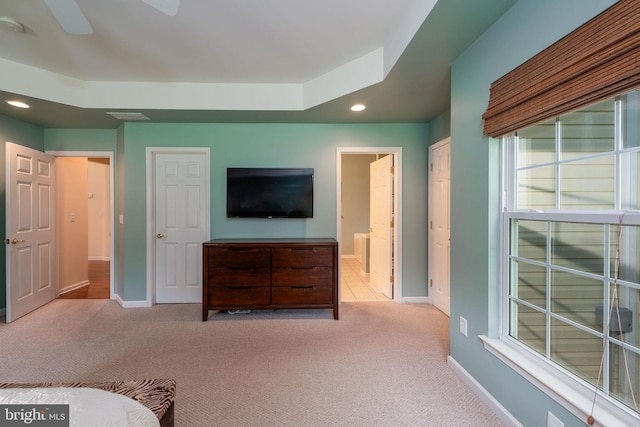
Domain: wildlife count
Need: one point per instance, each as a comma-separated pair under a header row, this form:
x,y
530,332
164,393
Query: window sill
x,y
573,394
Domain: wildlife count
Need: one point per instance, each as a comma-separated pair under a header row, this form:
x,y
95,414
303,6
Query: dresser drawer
x,y
300,295
239,296
303,256
239,276
239,257
294,276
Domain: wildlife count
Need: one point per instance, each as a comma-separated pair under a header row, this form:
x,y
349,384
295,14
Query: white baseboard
x,y
73,287
132,304
99,258
483,394
416,300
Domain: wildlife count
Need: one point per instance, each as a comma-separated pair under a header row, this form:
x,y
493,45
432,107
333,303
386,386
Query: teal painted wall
x,y
80,140
275,145
440,127
22,133
526,29
234,145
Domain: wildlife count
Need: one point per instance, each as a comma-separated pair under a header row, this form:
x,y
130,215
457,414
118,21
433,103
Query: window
x,y
571,227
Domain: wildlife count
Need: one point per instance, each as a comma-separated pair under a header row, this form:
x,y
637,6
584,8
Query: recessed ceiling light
x,y
358,107
11,24
18,104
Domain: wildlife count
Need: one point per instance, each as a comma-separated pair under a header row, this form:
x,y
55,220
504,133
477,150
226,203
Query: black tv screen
x,y
269,192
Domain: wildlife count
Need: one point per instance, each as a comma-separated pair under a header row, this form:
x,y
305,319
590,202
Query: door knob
x,y
13,241
161,236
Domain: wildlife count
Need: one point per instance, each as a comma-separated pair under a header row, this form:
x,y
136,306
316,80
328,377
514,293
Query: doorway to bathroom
x,y
368,223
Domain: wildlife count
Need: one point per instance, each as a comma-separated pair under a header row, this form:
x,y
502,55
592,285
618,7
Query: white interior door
x,y
380,225
439,229
181,224
30,215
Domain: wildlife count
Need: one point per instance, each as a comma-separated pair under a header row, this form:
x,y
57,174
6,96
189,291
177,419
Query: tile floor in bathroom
x,y
355,284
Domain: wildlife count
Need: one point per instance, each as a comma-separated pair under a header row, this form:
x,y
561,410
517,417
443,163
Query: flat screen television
x,y
270,193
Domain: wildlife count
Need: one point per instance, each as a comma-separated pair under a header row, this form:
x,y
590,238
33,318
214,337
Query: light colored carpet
x,y
381,364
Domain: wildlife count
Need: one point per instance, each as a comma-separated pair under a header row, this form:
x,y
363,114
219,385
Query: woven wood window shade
x,y
599,60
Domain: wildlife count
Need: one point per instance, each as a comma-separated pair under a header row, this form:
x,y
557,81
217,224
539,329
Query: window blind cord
x,y
614,302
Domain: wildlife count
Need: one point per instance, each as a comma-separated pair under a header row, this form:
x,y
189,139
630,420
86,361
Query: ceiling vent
x,y
123,115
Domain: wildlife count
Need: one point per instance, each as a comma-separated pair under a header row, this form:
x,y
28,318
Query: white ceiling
x,y
248,60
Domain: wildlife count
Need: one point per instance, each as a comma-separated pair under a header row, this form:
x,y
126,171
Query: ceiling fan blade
x,y
168,7
70,17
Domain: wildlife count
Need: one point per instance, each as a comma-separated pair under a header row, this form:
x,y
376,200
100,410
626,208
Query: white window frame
x,y
566,388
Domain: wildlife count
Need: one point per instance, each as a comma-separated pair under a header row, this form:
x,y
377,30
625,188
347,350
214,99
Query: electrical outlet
x,y
463,326
553,421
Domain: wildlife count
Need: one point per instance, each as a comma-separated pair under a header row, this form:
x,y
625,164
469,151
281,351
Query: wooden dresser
x,y
269,274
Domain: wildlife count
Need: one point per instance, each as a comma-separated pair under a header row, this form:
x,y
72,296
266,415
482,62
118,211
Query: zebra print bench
x,y
157,394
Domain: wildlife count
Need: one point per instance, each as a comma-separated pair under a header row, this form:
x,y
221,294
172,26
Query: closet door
x,y
181,210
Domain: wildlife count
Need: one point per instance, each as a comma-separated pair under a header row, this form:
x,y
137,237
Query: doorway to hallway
x,y
35,194
85,226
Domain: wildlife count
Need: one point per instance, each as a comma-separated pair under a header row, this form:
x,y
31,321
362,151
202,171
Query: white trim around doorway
x,y
101,155
397,209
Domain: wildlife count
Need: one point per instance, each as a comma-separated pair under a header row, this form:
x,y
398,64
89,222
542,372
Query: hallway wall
x,y
72,222
99,215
